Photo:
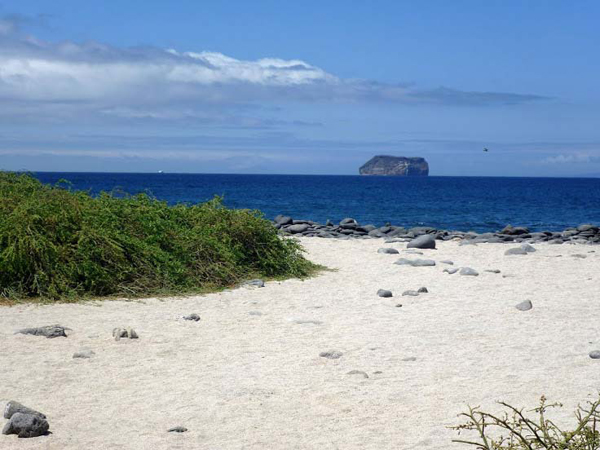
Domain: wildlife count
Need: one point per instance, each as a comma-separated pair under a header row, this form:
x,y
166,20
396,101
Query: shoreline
x,y
349,228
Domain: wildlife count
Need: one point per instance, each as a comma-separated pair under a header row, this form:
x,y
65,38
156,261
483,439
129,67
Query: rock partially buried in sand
x,y
451,271
423,290
84,354
195,317
49,331
126,332
447,261
177,430
255,283
13,407
515,251
595,354
358,372
524,306
469,272
388,251
384,293
492,270
331,354
528,248
425,241
410,293
26,425
415,262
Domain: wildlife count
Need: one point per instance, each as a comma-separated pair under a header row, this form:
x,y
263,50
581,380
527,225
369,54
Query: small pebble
x,y
358,372
524,306
331,354
177,430
423,290
399,305
194,317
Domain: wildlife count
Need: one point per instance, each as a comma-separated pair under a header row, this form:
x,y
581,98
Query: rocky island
x,y
395,166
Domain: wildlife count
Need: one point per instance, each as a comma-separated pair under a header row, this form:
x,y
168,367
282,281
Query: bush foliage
x,y
515,429
56,243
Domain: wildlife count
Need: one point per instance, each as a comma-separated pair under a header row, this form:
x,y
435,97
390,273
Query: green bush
x,y
515,429
56,243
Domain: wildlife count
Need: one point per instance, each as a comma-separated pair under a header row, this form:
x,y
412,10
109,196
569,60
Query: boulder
x,y
13,407
384,293
26,425
514,231
283,220
424,241
300,228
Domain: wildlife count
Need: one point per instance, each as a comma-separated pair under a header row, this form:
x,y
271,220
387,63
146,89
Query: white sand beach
x,y
248,375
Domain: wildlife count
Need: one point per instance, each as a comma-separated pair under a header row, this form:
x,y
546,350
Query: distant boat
x,y
160,171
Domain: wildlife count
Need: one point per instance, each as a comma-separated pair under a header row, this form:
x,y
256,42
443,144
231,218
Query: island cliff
x,y
395,166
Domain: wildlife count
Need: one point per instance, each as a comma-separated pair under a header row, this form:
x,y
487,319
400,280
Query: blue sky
x,y
300,87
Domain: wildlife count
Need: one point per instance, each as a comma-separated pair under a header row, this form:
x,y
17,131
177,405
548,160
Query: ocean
x,y
452,203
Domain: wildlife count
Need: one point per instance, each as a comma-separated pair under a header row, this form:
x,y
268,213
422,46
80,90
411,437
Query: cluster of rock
x,y
350,229
23,421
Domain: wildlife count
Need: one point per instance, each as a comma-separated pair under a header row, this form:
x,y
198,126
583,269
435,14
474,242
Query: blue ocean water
x,y
453,203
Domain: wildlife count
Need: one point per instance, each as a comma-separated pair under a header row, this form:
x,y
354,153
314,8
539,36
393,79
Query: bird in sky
x,y
485,149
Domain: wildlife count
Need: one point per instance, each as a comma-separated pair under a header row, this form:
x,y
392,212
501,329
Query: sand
x,y
249,374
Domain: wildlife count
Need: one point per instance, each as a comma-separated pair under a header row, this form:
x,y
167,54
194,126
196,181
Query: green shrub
x,y
56,243
517,430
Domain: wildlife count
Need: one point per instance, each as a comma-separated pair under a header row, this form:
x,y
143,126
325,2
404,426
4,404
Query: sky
x,y
311,87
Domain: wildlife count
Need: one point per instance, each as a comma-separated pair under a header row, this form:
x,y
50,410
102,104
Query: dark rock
x,y
587,227
415,262
399,305
26,425
423,290
595,354
300,228
195,317
283,220
524,306
469,272
388,251
424,241
515,251
127,332
512,231
376,234
395,165
384,293
331,354
84,354
410,293
50,331
492,270
13,407
349,221
358,372
177,430
578,255
329,223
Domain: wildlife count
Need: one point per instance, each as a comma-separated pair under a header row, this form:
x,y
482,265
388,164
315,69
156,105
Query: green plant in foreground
x,y
514,430
61,244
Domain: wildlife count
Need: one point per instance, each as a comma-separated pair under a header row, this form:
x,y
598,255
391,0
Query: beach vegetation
x,y
517,429
60,244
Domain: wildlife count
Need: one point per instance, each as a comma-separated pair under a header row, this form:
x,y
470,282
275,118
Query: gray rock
x,y
388,251
349,221
451,271
358,372
413,252
49,331
515,251
514,231
469,272
84,354
384,293
195,317
300,228
126,332
423,290
255,313
595,354
331,354
447,261
579,255
424,241
415,262
283,220
255,283
26,425
410,293
528,248
13,407
524,306
492,270
177,430
307,322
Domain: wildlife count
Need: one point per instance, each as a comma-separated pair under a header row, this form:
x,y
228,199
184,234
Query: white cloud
x,y
572,158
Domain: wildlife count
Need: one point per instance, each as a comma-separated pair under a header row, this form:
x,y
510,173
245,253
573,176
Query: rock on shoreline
x,y
351,229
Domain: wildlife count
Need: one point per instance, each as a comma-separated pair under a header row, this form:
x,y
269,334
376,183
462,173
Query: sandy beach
x,y
248,375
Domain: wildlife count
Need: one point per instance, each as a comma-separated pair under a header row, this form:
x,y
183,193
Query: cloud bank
x,y
42,78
